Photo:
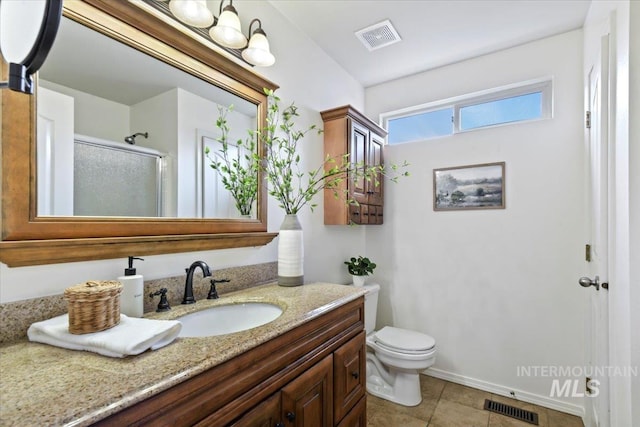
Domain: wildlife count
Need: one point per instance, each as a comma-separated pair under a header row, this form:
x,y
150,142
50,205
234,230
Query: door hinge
x,y
587,252
587,120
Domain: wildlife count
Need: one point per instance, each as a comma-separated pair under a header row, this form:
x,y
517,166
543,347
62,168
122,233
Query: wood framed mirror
x,y
31,238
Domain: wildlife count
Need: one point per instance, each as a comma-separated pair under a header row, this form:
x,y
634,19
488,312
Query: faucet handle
x,y
163,305
213,292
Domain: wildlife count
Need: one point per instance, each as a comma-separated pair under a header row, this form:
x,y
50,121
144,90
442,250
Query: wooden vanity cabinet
x,y
312,375
349,364
357,417
305,401
333,386
266,414
308,400
347,131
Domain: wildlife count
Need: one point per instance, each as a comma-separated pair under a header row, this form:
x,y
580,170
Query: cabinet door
x,y
375,214
358,155
358,415
266,414
307,401
349,375
355,215
364,214
374,158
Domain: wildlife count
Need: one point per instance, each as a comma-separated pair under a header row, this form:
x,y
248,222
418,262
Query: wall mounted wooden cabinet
x,y
347,131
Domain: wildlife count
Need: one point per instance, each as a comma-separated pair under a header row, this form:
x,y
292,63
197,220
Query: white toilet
x,y
395,356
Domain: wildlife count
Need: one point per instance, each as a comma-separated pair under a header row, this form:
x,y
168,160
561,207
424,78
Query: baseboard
x,y
524,396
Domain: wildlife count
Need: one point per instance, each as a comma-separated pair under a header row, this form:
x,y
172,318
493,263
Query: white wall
x,y
303,70
95,116
497,289
315,82
159,117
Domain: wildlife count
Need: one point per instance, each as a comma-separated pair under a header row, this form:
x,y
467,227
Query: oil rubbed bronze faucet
x,y
188,286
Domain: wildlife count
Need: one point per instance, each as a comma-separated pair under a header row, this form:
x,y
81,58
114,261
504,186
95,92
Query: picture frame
x,y
472,187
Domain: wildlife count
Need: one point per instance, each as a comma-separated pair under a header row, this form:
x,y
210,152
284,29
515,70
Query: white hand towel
x,y
130,337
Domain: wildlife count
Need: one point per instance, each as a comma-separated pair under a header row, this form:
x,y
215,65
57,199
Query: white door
x,y
597,402
55,153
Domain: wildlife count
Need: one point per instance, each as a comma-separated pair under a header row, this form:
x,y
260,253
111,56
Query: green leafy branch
x,y
240,172
294,188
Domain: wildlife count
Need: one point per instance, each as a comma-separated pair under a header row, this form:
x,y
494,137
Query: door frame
x,y
603,19
597,404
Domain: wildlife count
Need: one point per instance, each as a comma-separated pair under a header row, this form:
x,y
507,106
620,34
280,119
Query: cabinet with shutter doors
x,y
347,131
312,375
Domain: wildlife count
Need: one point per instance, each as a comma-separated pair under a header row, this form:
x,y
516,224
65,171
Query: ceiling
x,y
434,32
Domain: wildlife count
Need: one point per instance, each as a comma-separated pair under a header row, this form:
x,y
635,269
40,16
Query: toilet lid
x,y
404,340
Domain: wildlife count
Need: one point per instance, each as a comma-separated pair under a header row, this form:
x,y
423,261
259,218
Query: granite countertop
x,y
46,385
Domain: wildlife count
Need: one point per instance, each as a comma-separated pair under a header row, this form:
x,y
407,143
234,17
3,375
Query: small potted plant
x,y
359,268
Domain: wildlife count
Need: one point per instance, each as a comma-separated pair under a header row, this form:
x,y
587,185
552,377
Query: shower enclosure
x,y
111,179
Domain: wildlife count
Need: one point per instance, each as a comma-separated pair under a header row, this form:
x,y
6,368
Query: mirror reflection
x,y
121,133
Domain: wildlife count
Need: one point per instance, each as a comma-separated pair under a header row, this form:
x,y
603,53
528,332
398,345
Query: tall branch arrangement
x,y
239,171
294,188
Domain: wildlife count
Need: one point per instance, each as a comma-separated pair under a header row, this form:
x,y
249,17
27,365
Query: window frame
x,y
544,86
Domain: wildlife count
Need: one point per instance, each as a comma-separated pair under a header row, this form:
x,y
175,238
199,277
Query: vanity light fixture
x,y
226,30
192,12
258,52
27,32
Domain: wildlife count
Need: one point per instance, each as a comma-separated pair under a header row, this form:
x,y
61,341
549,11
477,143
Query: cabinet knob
x,y
279,424
355,375
291,416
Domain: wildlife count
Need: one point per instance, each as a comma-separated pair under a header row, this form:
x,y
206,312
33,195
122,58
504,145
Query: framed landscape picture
x,y
469,187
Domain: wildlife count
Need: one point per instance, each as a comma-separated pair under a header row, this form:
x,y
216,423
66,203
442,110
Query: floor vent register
x,y
511,411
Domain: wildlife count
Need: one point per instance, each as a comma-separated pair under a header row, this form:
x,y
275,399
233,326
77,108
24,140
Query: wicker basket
x,y
93,306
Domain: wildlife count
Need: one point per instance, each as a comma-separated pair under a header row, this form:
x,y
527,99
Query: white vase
x,y
358,280
290,252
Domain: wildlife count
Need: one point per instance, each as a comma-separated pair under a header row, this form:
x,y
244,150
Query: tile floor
x,y
446,404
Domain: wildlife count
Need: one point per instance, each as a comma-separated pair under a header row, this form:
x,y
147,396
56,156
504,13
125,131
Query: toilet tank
x,y
371,306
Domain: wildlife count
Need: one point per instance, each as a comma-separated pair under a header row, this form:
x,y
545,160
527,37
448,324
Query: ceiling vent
x,y
378,35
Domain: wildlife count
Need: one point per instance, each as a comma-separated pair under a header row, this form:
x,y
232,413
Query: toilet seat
x,y
404,341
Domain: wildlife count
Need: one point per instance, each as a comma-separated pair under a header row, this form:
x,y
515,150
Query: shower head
x,y
131,139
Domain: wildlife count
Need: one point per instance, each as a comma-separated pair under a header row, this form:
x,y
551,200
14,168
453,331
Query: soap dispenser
x,y
131,301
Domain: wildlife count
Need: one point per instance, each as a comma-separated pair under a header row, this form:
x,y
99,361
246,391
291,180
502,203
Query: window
x,y
517,103
426,125
506,110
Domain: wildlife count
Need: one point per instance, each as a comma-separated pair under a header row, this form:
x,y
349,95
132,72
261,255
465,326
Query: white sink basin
x,y
226,319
